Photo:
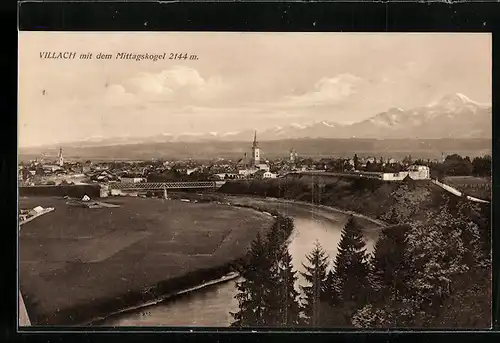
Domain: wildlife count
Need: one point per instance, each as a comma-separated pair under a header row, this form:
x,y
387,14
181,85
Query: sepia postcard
x,y
255,180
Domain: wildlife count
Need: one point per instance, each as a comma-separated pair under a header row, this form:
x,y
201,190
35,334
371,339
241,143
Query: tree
x,y
481,166
388,260
485,228
267,296
407,203
371,167
436,253
288,313
315,304
457,166
443,269
351,269
251,293
282,307
356,162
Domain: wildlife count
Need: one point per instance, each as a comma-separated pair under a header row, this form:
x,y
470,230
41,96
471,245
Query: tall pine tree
x,y
287,294
267,296
388,265
315,307
351,270
251,293
282,307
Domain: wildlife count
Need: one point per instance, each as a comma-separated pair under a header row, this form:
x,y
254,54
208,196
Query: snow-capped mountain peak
x,y
327,124
395,110
454,102
453,115
298,126
233,133
191,134
93,138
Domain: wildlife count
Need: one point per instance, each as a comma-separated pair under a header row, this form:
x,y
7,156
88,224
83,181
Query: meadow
x,y
78,263
479,187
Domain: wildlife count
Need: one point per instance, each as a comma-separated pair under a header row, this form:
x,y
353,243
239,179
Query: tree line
x,y
453,165
434,272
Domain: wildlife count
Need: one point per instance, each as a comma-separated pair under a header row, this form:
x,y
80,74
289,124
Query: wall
x,y
70,190
415,175
394,176
124,192
456,191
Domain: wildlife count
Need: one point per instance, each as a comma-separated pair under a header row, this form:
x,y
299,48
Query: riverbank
x,y
334,209
226,278
374,199
78,264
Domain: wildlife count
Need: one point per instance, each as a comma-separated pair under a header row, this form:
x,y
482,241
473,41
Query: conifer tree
x,y
276,249
289,309
315,305
388,265
251,293
282,302
267,296
351,269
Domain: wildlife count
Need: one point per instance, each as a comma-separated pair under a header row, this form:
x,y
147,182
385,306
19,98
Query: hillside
x,y
408,201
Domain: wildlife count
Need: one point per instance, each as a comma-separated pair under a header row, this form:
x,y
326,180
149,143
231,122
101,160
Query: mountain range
x,y
453,116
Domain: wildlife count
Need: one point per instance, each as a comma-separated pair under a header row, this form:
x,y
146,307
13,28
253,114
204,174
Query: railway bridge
x,y
158,186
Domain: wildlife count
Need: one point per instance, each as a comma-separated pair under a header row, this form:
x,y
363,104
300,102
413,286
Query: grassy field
x,y
479,187
74,256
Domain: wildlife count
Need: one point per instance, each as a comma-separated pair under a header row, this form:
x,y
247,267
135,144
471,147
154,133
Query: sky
x,y
239,81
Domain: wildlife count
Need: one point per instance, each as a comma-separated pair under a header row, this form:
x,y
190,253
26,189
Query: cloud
x,y
328,91
116,95
180,83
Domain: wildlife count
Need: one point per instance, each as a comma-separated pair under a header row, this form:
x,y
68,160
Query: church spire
x,y
61,158
255,150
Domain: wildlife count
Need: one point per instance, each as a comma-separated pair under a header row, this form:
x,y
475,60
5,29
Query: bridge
x,y
152,186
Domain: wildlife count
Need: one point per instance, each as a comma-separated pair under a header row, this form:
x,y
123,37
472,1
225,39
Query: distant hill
x,y
319,147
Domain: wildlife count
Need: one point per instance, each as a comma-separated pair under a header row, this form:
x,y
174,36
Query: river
x,y
211,306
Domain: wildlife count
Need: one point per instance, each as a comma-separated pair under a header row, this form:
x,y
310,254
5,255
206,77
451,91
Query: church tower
x,y
61,159
255,150
293,156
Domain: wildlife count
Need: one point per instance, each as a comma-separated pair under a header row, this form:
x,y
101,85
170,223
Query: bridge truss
x,y
161,185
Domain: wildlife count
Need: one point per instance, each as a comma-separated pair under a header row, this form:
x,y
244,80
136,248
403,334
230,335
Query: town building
x,y
132,179
414,172
51,168
269,175
225,176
